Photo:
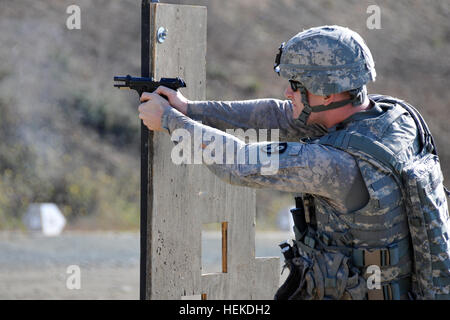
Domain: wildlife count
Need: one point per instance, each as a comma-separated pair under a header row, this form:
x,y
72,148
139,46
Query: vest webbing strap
x,y
426,139
374,149
360,219
391,291
343,140
387,257
372,237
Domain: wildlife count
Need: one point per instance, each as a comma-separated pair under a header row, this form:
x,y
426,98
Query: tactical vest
x,y
402,233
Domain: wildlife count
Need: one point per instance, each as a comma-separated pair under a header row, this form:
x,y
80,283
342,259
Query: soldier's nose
x,y
288,93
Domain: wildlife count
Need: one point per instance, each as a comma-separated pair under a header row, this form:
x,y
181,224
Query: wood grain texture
x,y
187,196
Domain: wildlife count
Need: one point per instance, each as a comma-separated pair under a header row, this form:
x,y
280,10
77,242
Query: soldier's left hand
x,y
152,109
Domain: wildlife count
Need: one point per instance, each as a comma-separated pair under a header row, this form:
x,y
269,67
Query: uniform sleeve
x,y
287,166
255,114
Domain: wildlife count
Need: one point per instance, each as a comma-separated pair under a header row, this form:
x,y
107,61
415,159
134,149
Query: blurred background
x,y
70,138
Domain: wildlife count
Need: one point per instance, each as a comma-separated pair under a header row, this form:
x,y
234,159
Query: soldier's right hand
x,y
176,98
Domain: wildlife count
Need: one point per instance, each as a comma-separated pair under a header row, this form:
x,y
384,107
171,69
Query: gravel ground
x,y
35,267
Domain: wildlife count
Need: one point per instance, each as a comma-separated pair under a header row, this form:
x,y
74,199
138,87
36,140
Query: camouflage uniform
x,y
303,168
356,207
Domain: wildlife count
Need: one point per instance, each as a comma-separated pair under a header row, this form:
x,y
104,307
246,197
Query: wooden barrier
x,y
182,198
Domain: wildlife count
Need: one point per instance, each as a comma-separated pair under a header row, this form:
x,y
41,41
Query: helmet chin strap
x,y
306,112
356,100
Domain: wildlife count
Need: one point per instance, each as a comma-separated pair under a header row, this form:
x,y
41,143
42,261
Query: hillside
x,y
69,137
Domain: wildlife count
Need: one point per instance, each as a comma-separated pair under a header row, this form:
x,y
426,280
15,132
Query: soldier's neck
x,y
332,117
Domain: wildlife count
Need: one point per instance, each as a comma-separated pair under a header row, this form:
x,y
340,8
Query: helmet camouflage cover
x,y
327,60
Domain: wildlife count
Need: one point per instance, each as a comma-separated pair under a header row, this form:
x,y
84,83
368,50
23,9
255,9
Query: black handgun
x,y
148,84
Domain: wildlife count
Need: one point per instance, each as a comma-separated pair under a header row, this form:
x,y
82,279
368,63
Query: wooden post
x,y
146,137
183,197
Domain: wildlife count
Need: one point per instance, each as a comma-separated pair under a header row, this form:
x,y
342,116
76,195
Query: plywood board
x,y
186,196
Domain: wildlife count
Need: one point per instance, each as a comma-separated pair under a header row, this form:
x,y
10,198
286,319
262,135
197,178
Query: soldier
x,y
351,157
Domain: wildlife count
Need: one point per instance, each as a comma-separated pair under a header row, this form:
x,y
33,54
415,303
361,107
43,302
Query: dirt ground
x,y
101,283
36,267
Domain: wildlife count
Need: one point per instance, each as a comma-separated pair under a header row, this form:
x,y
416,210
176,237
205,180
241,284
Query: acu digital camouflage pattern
x,y
328,277
418,207
253,114
327,60
364,214
301,167
429,226
374,220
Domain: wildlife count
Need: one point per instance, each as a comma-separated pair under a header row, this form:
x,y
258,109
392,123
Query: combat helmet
x,y
326,60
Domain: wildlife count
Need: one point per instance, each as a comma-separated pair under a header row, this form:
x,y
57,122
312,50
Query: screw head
x,y
161,34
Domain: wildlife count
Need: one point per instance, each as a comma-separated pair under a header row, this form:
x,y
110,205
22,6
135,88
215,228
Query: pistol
x,y
147,84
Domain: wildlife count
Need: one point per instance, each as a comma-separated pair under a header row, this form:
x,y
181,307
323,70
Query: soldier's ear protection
x,y
276,66
358,95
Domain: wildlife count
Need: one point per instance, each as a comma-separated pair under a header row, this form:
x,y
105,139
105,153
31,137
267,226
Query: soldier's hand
x,y
152,109
176,98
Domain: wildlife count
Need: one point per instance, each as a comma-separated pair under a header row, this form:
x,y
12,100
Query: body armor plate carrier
x,y
410,243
